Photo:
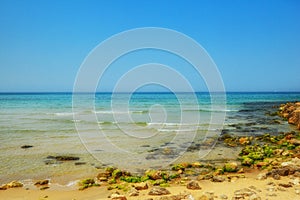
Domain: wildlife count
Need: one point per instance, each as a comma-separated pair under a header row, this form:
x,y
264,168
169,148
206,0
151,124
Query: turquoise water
x,y
135,131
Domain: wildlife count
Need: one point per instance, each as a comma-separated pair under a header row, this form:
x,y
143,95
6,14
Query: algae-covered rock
x,y
231,167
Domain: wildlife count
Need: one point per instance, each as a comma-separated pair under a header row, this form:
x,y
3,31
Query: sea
x,y
132,131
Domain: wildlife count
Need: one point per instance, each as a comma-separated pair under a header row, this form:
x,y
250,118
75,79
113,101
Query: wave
x,y
209,110
61,114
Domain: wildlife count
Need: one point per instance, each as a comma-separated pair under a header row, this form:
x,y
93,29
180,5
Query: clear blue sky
x,y
255,44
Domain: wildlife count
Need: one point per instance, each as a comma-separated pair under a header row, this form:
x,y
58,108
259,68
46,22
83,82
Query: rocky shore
x,y
268,167
291,112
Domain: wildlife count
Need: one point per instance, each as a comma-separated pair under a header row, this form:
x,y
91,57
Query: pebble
x,y
285,185
193,185
255,188
133,192
223,196
159,191
281,189
261,176
218,179
118,197
254,197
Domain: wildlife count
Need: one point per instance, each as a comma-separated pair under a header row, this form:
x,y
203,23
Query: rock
x,y
276,176
181,196
133,192
285,185
103,176
193,185
254,197
223,196
42,182
295,181
63,158
231,167
282,189
159,191
118,197
244,141
261,176
218,179
79,163
26,146
255,188
44,188
291,111
154,174
246,192
141,186
12,184
206,197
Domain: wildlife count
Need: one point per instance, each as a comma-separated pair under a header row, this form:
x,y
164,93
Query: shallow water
x,y
132,132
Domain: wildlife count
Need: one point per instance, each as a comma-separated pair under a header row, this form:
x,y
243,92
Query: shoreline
x,y
268,166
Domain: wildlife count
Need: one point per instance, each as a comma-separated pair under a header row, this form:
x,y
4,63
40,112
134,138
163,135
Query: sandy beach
x,y
264,189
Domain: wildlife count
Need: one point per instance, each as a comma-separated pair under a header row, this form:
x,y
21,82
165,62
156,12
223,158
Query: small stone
x,y
159,191
118,197
285,185
281,189
133,192
218,179
141,186
44,188
271,189
223,196
14,184
276,176
295,181
297,191
254,197
271,195
41,182
193,185
255,188
26,146
231,167
271,183
79,163
261,176
206,197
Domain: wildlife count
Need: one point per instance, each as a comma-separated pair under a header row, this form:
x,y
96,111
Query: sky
x,y
254,44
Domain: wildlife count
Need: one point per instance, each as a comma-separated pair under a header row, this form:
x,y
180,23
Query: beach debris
x,y
13,184
193,185
159,191
26,146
